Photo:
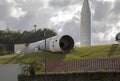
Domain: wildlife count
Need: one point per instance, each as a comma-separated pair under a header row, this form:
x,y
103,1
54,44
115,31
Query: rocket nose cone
x,y
85,6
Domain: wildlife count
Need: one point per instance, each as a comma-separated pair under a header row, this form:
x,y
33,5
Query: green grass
x,y
100,51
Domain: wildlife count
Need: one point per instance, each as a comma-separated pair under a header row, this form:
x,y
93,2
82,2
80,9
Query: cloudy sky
x,y
63,16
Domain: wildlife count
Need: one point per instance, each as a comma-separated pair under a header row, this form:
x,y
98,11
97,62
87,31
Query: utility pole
x,y
35,27
45,59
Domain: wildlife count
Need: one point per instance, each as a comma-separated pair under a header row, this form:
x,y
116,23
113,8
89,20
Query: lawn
x,y
78,53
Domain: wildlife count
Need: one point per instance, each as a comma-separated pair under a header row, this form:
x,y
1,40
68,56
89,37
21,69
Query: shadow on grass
x,y
113,49
11,59
56,56
86,55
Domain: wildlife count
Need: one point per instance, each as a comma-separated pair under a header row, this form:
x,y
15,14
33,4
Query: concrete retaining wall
x,y
9,72
95,76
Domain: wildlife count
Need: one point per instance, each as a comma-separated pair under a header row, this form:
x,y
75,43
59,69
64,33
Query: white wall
x,y
9,72
18,47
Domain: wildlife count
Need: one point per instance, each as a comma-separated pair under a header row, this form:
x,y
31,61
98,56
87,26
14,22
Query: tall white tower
x,y
85,30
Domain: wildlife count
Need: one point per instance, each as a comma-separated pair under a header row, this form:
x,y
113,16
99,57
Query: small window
x,y
53,45
55,40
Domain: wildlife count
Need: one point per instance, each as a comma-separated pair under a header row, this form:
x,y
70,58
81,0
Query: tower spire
x,y
85,30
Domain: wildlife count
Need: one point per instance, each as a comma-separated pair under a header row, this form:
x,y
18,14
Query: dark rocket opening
x,y
66,43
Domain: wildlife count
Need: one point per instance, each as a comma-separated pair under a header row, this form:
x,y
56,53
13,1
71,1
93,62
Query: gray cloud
x,y
104,23
101,10
4,10
3,13
116,8
36,13
63,3
59,3
71,27
105,17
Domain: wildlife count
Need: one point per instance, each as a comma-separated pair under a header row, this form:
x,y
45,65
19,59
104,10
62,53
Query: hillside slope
x,y
99,51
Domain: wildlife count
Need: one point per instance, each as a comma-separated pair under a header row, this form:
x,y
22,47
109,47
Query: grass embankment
x,y
100,51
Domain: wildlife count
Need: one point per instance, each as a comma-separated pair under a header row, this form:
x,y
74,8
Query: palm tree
x,y
31,66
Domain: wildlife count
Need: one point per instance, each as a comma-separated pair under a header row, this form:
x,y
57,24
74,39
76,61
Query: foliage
x,y
9,38
31,66
3,50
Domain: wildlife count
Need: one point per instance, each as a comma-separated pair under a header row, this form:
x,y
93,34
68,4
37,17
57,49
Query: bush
x,y
3,50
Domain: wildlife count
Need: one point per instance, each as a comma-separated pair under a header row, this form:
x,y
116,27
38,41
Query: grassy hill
x,y
99,51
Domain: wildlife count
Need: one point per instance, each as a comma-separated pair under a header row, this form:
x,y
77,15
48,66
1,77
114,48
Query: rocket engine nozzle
x,y
66,43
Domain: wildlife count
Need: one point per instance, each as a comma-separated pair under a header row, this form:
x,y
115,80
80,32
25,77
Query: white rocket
x,y
85,30
58,43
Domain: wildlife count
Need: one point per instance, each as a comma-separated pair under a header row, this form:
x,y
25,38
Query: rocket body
x,y
58,43
85,30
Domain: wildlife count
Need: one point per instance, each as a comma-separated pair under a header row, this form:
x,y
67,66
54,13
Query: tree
x,y
15,37
3,50
31,66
